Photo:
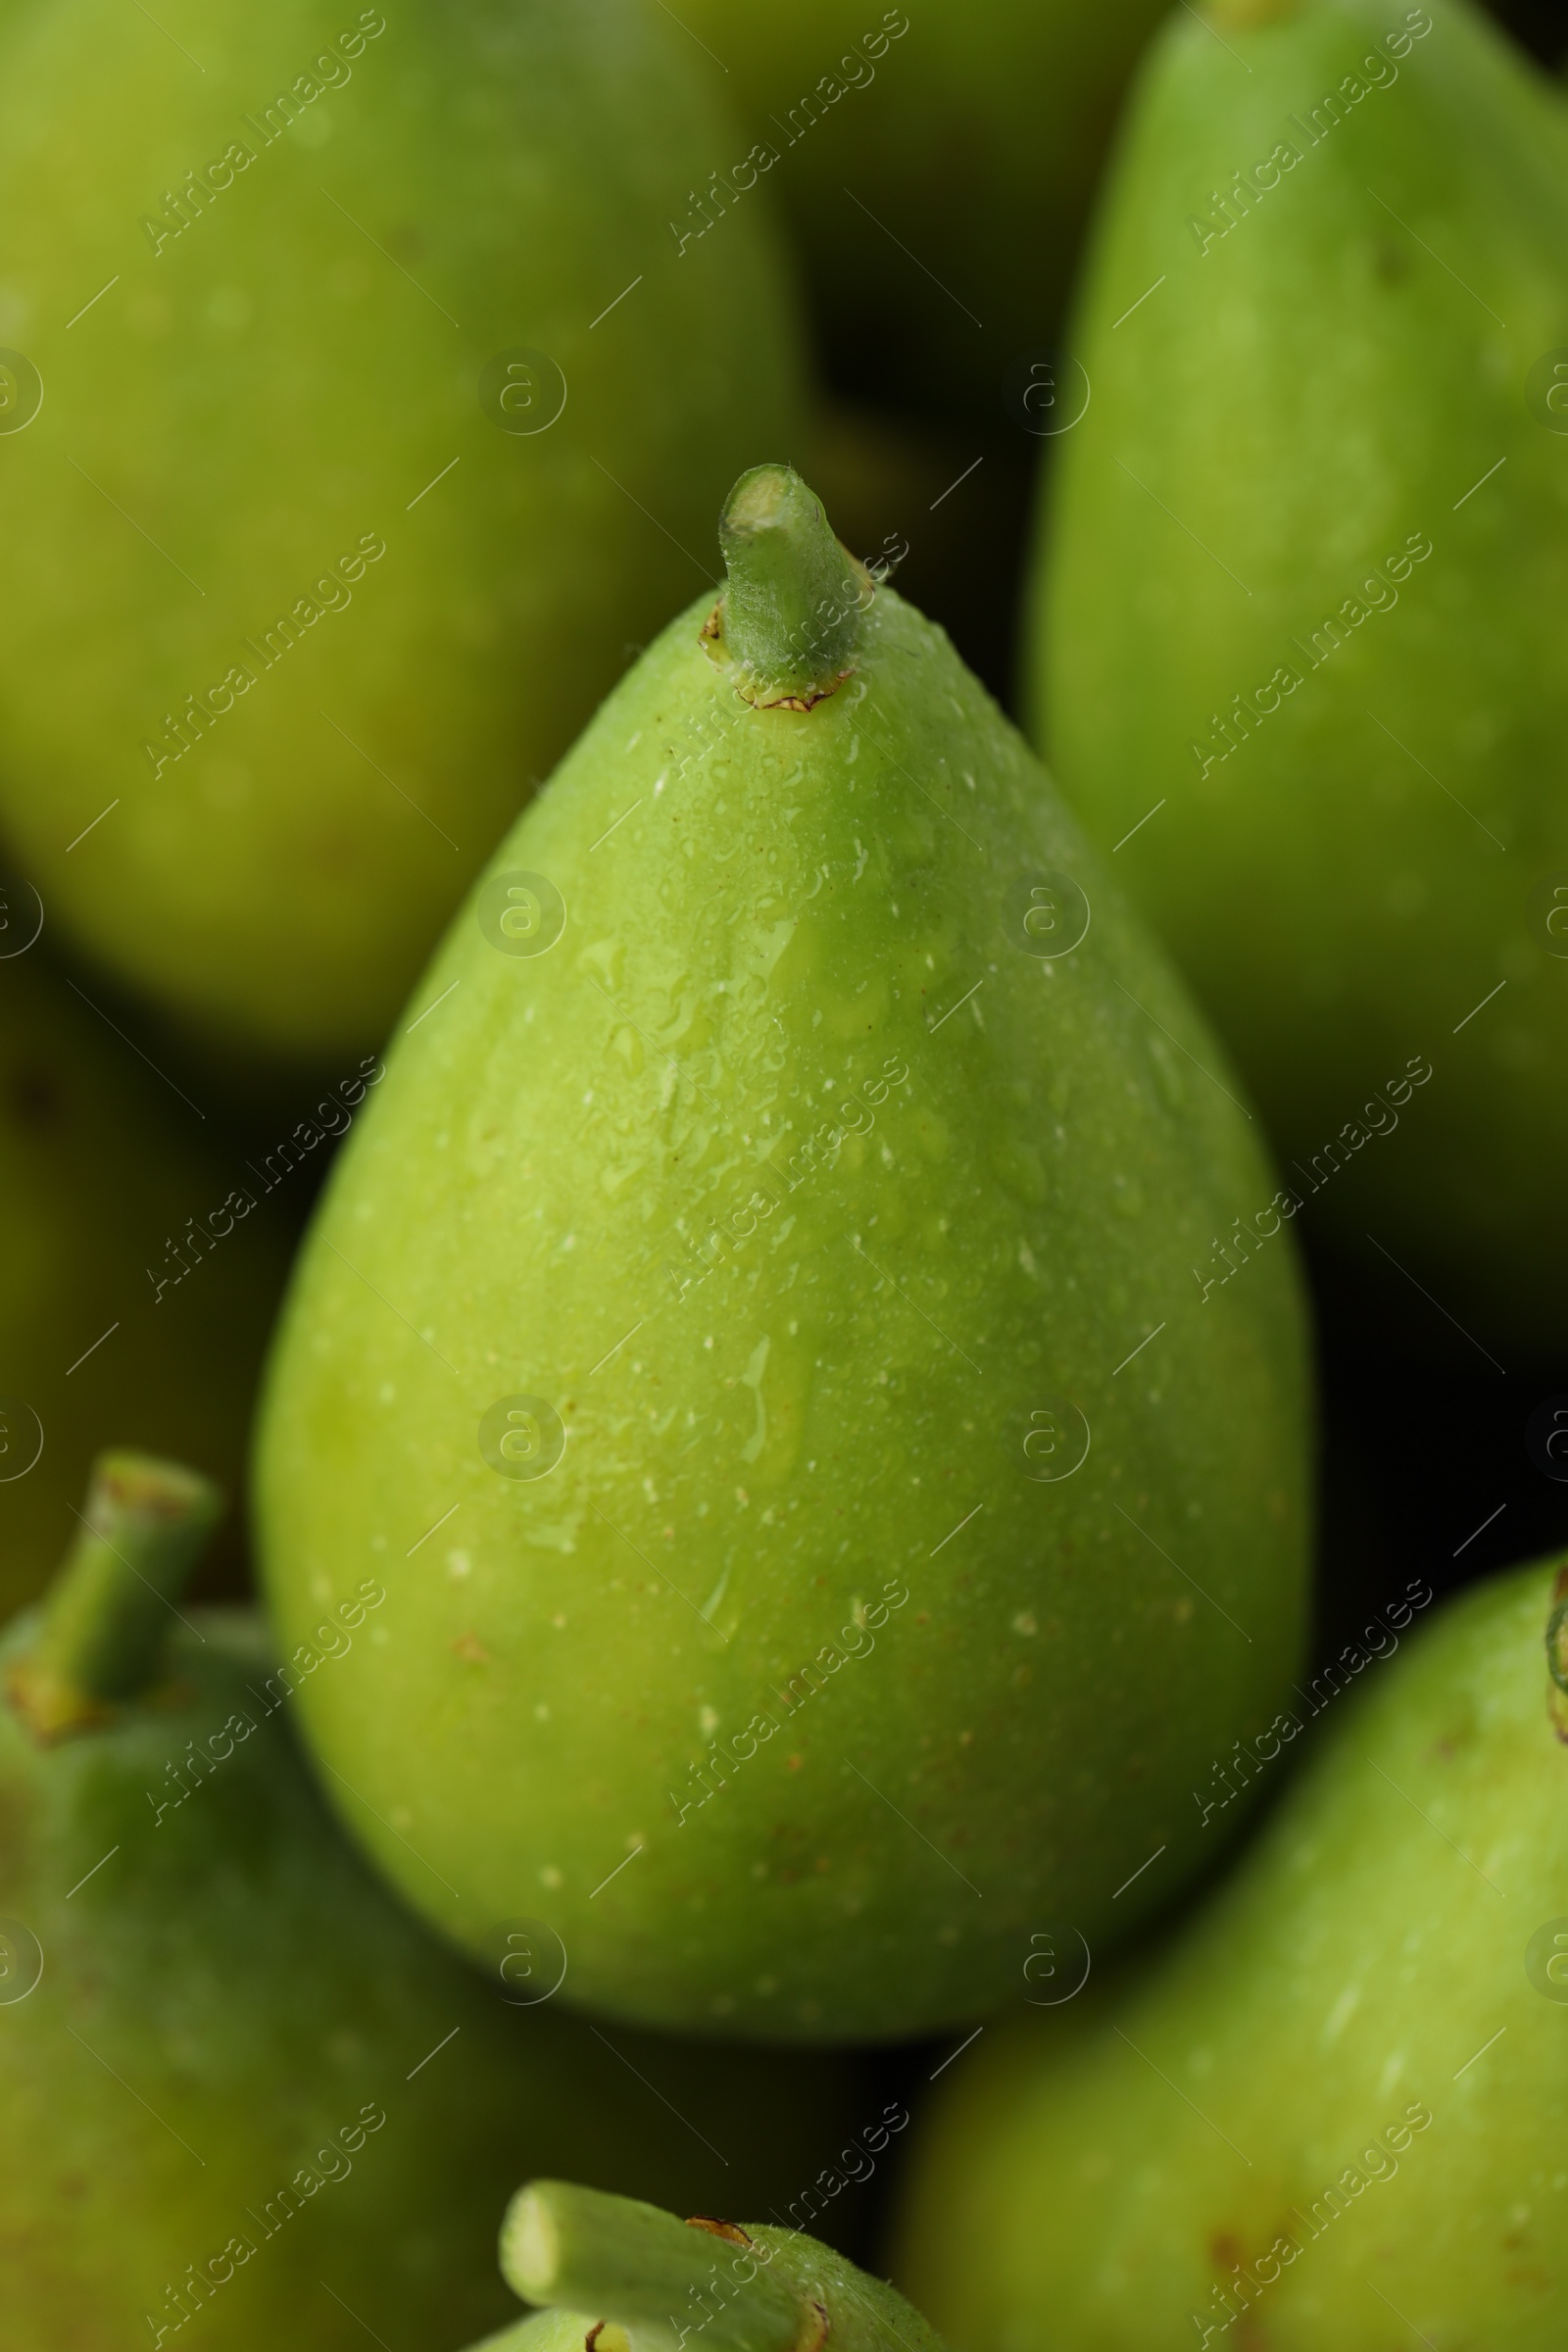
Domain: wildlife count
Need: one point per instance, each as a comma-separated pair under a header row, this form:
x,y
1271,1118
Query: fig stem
x,y
657,2278
791,608
106,1615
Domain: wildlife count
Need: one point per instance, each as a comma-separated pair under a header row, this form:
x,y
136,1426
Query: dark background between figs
x,y
1541,26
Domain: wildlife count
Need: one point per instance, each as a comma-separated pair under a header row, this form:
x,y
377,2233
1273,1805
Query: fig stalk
x,y
107,1613
617,2276
789,612
647,2271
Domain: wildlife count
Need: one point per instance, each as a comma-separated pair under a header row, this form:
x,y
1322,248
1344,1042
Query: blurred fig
x,y
1295,646
240,2087
1329,2111
360,417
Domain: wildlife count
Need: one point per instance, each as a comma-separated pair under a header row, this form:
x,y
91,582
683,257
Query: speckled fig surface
x,y
1330,2110
825,1525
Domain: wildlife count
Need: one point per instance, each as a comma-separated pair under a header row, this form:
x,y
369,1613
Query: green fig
x,y
1296,640
235,2075
1330,2113
937,164
629,2277
142,1262
360,412
751,1334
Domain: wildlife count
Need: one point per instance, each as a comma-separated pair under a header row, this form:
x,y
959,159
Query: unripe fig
x,y
359,420
1294,645
754,1334
1329,2110
241,2091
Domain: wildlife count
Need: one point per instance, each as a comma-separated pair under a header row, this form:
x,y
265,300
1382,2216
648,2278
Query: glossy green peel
x,y
1298,607
1330,2112
824,1526
317,564
240,2087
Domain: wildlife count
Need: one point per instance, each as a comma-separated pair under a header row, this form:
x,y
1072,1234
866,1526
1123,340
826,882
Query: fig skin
x,y
1371,2005
228,436
261,1997
1302,601
803,1685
